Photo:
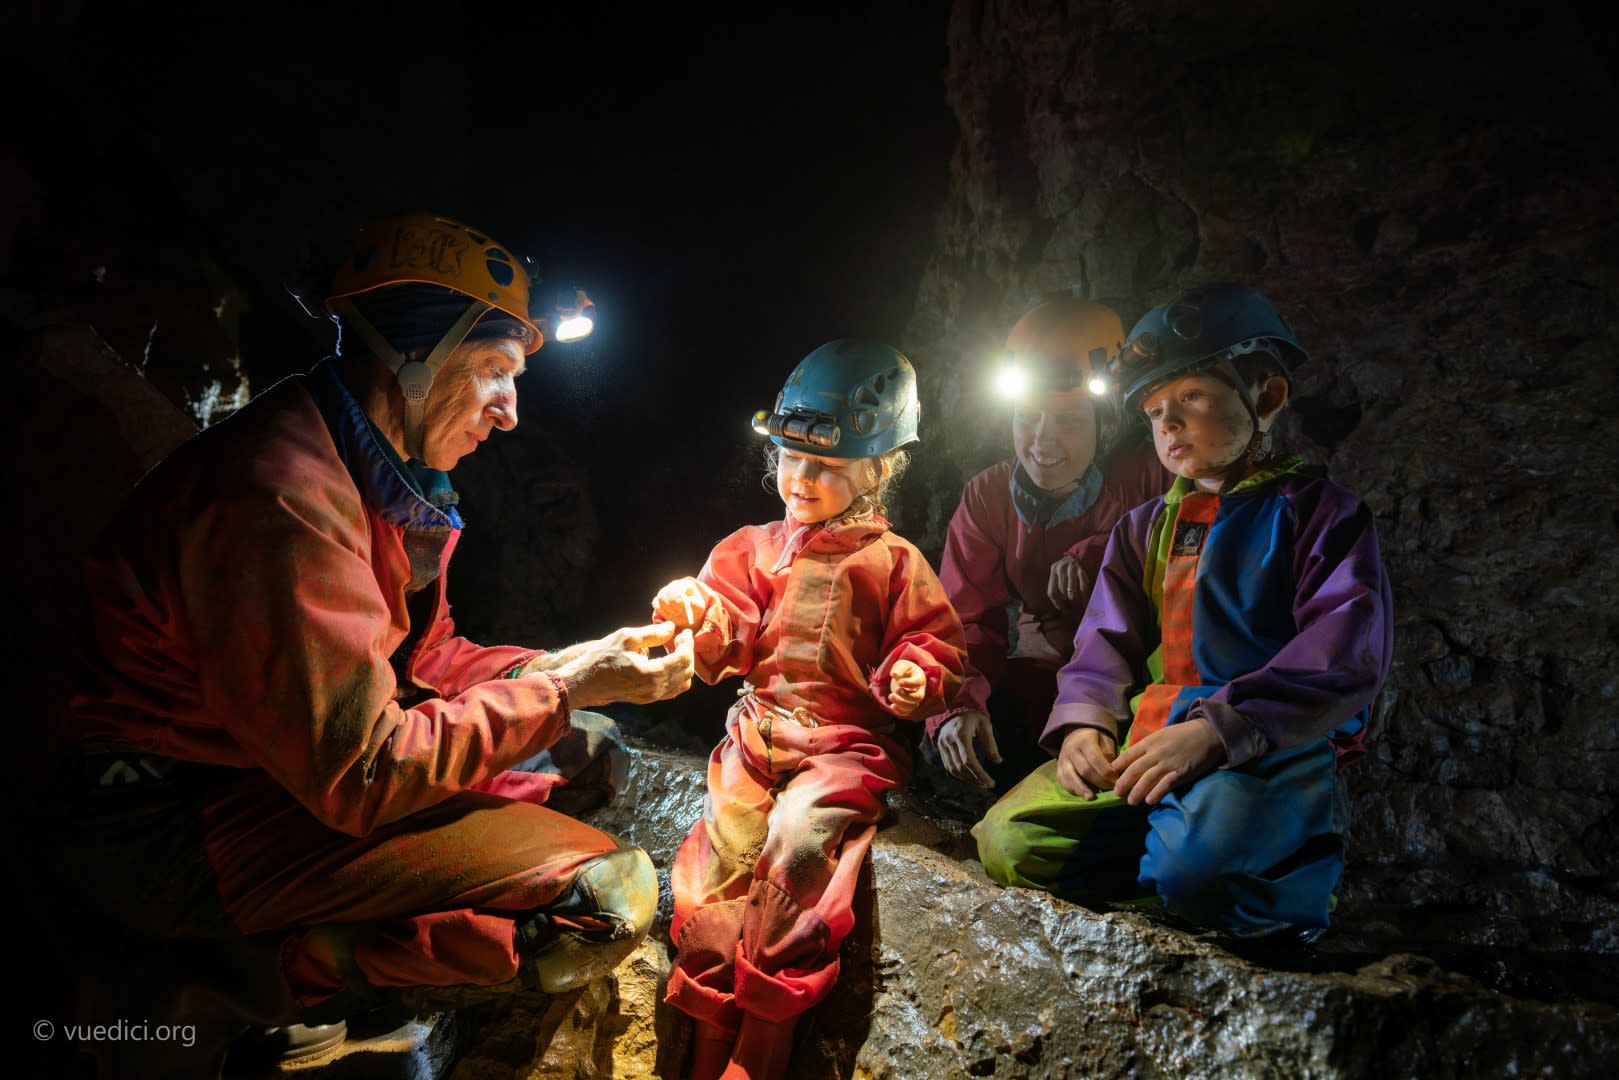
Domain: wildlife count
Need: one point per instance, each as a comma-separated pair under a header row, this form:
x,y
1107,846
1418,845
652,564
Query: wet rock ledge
x,y
953,976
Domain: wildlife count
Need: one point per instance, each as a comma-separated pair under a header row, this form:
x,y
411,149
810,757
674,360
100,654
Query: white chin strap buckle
x,y
415,380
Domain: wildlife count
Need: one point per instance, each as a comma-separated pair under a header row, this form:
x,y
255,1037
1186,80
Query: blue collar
x,y
407,494
1036,508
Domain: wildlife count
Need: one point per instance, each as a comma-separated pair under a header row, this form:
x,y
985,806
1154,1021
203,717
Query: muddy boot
x,y
170,1010
589,930
291,1042
711,1048
763,1048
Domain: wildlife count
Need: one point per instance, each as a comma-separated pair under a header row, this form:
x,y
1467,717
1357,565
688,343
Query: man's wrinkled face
x,y
1054,437
473,394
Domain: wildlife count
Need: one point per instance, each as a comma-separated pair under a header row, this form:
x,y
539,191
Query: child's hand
x,y
1085,763
907,686
681,602
1167,759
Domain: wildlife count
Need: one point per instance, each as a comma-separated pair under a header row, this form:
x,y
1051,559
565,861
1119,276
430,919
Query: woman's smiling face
x,y
1054,437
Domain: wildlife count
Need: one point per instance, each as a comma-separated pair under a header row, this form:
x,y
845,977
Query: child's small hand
x,y
681,602
907,686
1167,759
1085,763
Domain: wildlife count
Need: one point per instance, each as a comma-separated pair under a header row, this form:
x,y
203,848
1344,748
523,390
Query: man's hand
x,y
618,668
907,686
1067,586
1085,763
550,661
1167,759
682,602
956,741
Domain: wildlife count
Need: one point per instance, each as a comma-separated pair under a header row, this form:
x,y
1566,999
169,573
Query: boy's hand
x,y
1066,586
681,602
907,686
1167,759
956,741
1085,763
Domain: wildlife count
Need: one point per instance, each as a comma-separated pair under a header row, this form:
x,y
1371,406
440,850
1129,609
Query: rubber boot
x,y
595,924
711,1047
763,1048
170,1010
290,1042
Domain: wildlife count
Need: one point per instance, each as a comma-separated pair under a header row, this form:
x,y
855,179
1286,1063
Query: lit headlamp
x,y
575,315
800,426
1020,377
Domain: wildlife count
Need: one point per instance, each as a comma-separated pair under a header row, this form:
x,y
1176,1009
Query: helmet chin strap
x,y
415,377
1258,448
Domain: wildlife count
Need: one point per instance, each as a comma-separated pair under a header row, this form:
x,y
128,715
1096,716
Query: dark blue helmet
x,y
1209,323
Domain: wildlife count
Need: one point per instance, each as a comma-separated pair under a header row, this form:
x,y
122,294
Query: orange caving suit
x,y
275,725
814,617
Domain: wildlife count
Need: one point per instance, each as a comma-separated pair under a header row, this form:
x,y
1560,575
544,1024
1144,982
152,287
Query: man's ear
x,y
1271,399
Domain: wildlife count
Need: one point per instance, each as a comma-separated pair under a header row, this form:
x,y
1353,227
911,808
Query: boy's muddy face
x,y
1054,437
1200,427
817,488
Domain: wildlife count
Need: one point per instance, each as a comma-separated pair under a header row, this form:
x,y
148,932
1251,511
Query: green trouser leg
x,y
1041,836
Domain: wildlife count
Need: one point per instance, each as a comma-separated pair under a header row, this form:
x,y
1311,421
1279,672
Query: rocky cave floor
x,y
950,975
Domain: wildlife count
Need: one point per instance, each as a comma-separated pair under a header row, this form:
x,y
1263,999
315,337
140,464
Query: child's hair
x,y
888,467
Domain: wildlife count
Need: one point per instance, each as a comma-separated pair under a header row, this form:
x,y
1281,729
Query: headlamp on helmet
x,y
799,425
575,315
1020,377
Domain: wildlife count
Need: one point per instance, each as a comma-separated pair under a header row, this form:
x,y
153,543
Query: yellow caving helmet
x,y
432,250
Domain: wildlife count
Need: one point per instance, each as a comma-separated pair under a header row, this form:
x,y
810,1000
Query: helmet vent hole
x,y
476,239
864,421
503,273
496,253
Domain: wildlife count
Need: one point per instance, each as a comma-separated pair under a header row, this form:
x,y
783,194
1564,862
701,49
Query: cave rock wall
x,y
1428,199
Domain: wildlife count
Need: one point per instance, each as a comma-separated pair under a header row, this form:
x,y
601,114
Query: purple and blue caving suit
x,y
1264,610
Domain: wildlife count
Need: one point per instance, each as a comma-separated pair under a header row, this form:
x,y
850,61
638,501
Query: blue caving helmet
x,y
1211,323
847,399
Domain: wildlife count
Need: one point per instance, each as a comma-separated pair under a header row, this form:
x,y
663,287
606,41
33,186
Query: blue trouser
x,y
1244,850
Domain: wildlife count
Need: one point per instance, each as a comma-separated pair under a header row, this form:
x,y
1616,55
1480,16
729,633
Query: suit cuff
x,y
934,723
1243,740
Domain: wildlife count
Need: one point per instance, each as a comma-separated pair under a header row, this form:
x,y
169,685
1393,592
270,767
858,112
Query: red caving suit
x,y
814,617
